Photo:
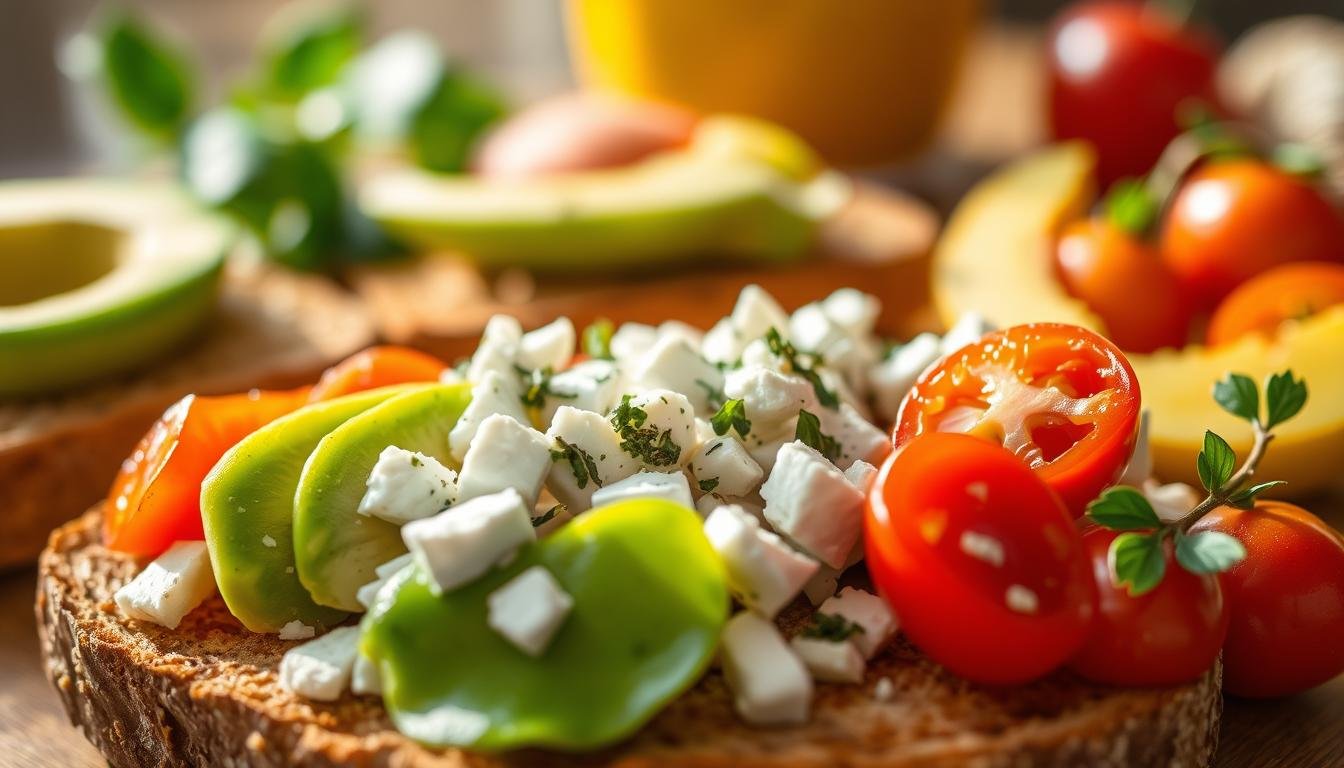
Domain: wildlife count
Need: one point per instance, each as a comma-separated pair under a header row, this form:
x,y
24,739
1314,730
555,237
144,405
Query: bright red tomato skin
x,y
954,604
1167,636
1043,353
1118,73
1287,600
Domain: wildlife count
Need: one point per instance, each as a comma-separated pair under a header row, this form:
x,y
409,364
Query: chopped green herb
x,y
804,364
646,443
709,484
580,463
809,431
547,516
714,448
539,387
733,415
832,627
597,339
415,461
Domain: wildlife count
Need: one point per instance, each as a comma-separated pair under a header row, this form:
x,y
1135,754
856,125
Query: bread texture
x,y
272,328
206,694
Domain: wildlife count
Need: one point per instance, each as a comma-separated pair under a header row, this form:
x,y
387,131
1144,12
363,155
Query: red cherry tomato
x,y
1166,636
1123,280
1232,220
1118,73
1283,294
1287,600
1059,397
979,559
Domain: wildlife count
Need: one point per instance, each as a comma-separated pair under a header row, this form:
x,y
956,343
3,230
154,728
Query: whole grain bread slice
x,y
272,328
206,694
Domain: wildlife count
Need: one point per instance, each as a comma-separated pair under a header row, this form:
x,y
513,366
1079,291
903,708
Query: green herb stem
x,y
1223,494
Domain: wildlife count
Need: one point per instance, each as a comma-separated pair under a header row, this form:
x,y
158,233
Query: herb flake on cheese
x,y
580,463
644,443
832,627
809,432
803,364
733,415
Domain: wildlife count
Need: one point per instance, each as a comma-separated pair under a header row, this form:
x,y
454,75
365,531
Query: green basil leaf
x,y
147,78
733,415
311,52
809,432
1245,498
445,128
1216,462
1122,508
1208,551
1137,562
1285,396
1238,395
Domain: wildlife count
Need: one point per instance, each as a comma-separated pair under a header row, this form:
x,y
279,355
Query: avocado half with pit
x,y
99,278
741,189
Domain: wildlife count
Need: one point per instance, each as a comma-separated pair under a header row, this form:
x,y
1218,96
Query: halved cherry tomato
x,y
1234,219
1287,599
979,559
1286,293
1060,398
377,367
1166,636
155,498
1123,280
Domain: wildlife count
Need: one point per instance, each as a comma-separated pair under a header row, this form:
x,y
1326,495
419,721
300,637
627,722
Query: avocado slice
x,y
741,189
336,548
247,507
99,278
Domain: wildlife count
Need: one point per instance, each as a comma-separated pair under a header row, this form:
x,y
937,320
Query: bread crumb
x,y
255,741
885,690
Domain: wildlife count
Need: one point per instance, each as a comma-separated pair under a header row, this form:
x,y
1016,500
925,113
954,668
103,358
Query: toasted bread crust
x,y
207,694
272,329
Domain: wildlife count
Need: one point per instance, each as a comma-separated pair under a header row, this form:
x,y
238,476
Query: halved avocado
x,y
99,278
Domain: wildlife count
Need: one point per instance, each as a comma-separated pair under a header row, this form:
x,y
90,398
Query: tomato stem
x,y
1221,495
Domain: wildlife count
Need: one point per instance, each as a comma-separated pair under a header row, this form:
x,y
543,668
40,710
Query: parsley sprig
x,y
581,463
733,415
1137,557
809,431
804,364
646,443
832,627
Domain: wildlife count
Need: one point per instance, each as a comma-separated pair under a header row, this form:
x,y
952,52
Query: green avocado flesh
x,y
662,210
99,278
336,548
247,507
650,600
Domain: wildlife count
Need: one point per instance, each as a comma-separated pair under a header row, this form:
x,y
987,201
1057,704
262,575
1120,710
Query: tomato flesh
x,y
978,558
376,367
1059,397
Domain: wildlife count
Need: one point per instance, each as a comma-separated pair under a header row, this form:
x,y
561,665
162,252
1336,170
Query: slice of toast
x,y
272,328
207,694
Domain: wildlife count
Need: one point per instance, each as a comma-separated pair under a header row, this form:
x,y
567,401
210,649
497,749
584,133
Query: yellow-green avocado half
x,y
99,277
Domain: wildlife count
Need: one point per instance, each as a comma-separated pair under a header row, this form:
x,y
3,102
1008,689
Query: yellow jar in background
x,y
864,81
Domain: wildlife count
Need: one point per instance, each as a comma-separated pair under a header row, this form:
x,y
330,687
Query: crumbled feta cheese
x,y
462,543
497,353
320,669
367,594
821,587
657,428
769,682
671,486
891,379
757,353
704,431
296,630
169,587
756,312
365,679
853,310
672,363
723,466
763,446
631,340
491,394
830,661
764,573
869,612
861,475
709,502
393,567
586,455
1140,467
529,610
592,385
505,454
858,439
812,330
769,398
676,329
550,346
811,502
722,345
405,485
968,328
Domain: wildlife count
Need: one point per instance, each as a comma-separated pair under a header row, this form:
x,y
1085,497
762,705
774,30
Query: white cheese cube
x,y
584,441
529,610
657,429
320,669
853,310
757,353
763,446
550,346
830,661
405,485
890,380
632,340
296,630
770,398
365,679
592,385
1140,467
764,573
458,545
769,682
821,587
858,439
757,312
968,328
505,454
676,329
673,363
367,594
492,393
498,350
869,612
704,431
809,500
861,474
393,567
706,505
722,343
671,486
812,330
169,587
723,466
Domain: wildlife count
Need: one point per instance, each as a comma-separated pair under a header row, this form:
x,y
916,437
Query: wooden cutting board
x,y
878,243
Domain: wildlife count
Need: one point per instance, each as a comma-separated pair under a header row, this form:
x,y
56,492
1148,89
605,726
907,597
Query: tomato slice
x,y
1059,397
155,498
377,367
978,558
